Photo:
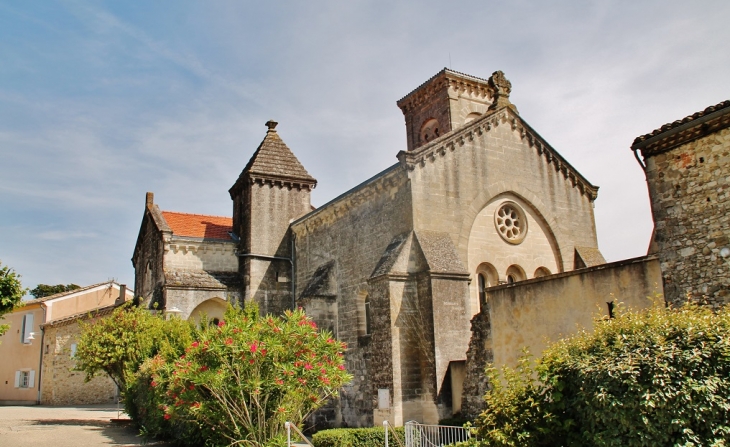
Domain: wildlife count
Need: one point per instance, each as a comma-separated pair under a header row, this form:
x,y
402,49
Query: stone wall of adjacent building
x,y
60,384
689,188
149,274
533,313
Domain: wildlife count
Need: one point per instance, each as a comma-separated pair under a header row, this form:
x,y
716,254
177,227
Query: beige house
x,y
24,347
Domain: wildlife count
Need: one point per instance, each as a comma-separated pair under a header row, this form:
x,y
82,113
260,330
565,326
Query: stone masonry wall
x,y
532,313
149,273
354,232
456,176
191,254
60,384
689,188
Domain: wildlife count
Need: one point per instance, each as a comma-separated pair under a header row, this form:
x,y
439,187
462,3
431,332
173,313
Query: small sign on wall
x,y
383,399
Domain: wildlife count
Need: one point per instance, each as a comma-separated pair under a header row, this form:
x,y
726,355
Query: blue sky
x,y
103,101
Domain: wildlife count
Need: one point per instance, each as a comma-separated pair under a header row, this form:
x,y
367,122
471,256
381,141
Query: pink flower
x,y
252,361
324,380
204,368
167,417
221,323
341,367
191,387
195,344
308,366
313,324
254,347
302,381
195,405
229,341
279,382
263,352
329,340
153,384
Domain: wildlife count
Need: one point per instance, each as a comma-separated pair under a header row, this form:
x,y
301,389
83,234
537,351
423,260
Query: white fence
x,y
420,435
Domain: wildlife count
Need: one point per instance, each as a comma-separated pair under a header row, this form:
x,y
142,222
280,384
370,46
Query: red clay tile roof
x,y
199,225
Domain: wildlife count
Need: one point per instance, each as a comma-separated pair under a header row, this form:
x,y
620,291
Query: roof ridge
x,y
196,214
70,292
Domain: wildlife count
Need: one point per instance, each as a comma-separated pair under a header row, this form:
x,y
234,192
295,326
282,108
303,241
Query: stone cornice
x,y
339,207
453,82
193,245
289,182
450,142
669,136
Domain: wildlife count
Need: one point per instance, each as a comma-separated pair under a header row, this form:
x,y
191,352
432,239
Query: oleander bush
x,y
234,383
655,378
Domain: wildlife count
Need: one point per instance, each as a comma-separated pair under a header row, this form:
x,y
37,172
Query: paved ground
x,y
90,426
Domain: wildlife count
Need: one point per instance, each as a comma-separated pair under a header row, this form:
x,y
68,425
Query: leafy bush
x,y
356,437
661,377
242,379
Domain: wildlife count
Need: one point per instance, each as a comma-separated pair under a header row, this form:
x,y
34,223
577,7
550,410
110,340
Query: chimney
x,y
150,199
122,291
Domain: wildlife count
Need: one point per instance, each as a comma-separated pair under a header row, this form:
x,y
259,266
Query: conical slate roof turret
x,y
273,161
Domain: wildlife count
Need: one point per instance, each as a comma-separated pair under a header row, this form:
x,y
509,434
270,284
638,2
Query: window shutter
x,y
31,380
22,329
17,379
27,327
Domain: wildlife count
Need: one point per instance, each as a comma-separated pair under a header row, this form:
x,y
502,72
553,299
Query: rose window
x,y
510,221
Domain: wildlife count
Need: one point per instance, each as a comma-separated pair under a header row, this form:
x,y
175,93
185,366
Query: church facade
x,y
398,266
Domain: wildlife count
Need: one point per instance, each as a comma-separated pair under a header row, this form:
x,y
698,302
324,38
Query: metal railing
x,y
289,427
386,425
421,435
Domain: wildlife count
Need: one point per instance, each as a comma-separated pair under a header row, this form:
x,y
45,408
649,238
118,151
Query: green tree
x,y
11,293
43,290
660,377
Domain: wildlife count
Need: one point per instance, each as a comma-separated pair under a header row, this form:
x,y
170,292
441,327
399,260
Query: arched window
x,y
541,271
482,284
430,130
471,117
364,315
515,273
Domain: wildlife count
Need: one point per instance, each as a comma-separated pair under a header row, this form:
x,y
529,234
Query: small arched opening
x,y
541,271
213,310
430,131
515,273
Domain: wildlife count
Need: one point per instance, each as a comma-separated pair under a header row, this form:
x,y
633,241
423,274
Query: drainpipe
x,y
40,360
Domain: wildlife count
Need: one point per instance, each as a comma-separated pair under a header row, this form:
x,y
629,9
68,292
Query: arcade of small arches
x,y
487,276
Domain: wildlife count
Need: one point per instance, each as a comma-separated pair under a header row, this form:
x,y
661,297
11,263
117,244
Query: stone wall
x,y
354,231
456,177
689,187
191,254
60,384
532,313
149,274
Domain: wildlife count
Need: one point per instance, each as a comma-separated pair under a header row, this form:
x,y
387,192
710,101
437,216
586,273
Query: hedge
x,y
357,437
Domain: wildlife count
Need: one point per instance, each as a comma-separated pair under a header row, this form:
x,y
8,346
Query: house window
x,y
25,379
73,350
26,329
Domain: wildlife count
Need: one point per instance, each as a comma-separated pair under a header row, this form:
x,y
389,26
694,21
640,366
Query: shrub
x,y
242,379
661,377
356,437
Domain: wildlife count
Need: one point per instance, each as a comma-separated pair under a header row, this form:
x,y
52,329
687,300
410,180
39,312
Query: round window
x,y
511,223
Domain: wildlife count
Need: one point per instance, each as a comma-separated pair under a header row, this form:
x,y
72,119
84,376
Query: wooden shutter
x,y
31,379
17,379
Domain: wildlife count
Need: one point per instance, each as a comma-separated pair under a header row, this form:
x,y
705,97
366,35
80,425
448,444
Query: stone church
x,y
399,265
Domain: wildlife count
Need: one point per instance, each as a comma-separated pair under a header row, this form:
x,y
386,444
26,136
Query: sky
x,y
101,102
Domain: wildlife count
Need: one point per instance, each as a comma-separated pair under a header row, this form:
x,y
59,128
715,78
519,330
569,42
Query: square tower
x,y
449,100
